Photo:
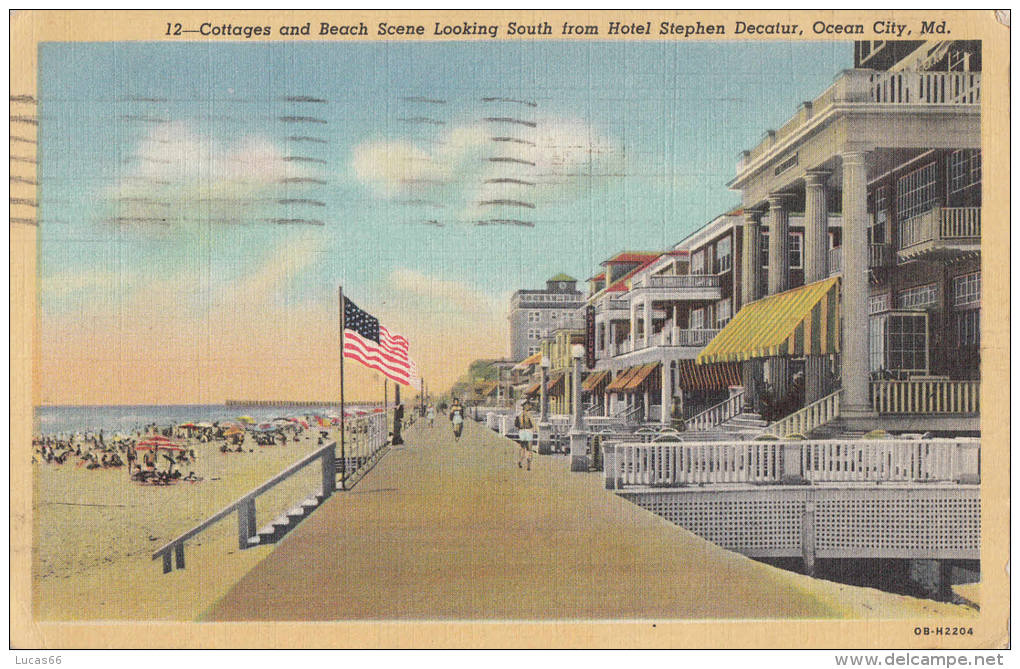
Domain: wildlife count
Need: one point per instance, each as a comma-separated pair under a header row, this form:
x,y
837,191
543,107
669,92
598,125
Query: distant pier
x,y
289,403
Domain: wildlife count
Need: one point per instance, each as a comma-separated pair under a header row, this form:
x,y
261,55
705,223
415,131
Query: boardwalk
x,y
444,530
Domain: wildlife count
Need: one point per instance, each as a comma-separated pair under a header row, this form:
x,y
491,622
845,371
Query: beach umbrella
x,y
246,419
232,430
204,425
153,445
187,425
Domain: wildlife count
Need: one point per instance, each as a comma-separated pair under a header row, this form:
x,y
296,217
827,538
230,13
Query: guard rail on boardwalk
x,y
718,414
365,439
667,464
814,415
926,396
245,506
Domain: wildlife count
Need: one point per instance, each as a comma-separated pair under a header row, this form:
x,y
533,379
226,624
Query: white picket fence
x,y
822,461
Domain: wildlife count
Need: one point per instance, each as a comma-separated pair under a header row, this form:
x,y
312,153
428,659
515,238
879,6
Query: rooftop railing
x,y
864,86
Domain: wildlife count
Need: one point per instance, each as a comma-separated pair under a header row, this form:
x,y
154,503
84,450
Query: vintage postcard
x,y
601,329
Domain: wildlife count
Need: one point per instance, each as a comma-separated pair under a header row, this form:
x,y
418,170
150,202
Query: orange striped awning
x,y
533,388
533,359
554,383
719,376
640,376
594,380
802,321
618,384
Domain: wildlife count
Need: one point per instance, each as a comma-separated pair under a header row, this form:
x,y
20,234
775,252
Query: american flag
x,y
371,344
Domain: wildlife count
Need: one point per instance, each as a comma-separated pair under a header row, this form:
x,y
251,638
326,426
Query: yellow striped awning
x,y
802,321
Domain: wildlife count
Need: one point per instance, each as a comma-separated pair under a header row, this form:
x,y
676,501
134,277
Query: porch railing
x,y
672,464
718,414
941,224
814,415
926,396
693,337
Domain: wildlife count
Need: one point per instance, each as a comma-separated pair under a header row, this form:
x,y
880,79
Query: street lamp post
x,y
578,436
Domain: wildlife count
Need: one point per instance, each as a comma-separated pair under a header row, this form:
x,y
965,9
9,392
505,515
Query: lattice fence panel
x,y
924,526
757,527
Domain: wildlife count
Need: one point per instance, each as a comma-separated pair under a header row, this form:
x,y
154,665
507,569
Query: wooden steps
x,y
281,525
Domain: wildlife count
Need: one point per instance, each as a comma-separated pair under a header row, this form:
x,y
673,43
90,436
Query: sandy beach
x,y
95,530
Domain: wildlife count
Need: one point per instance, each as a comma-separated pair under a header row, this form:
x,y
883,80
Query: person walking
x,y
457,419
525,433
430,413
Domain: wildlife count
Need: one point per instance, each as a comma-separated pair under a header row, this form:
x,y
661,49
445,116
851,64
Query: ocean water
x,y
127,418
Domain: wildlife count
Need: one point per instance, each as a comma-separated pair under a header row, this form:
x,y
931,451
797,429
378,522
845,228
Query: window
x,y
723,255
919,297
763,248
879,303
968,327
534,316
723,313
899,342
964,169
880,214
532,333
698,319
698,263
915,192
554,315
532,350
796,250
967,289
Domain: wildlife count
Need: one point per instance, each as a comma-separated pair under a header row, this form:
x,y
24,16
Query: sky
x,y
202,202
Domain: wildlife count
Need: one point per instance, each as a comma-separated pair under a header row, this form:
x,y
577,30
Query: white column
x,y
779,281
750,263
854,309
816,266
665,394
633,323
816,226
648,323
779,245
750,259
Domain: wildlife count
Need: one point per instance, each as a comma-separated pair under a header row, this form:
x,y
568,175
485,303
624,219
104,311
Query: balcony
x,y
679,287
879,256
870,87
940,233
669,339
606,305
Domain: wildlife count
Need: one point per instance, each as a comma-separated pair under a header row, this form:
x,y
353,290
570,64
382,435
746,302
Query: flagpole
x,y
343,414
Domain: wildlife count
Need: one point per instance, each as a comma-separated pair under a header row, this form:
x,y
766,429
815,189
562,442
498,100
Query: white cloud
x,y
534,165
178,174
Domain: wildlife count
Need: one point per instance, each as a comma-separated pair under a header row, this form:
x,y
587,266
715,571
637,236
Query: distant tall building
x,y
536,314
